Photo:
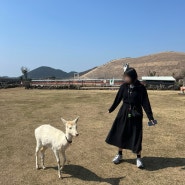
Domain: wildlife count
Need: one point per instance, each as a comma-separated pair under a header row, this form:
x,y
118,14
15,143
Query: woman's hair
x,y
131,72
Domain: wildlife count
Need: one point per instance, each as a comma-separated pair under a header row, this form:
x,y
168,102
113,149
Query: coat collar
x,y
136,84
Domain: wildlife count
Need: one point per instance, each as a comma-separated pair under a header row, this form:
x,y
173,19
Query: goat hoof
x,y
37,167
43,167
60,175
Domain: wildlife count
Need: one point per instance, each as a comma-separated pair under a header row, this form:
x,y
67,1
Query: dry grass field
x,y
164,64
89,157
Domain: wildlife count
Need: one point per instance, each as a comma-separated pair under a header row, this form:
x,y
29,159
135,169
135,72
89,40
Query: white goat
x,y
50,137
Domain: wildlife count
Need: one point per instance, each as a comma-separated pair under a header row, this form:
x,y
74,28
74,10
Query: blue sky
x,y
80,34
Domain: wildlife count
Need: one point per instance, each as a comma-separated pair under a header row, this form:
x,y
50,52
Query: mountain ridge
x,y
45,72
168,63
163,64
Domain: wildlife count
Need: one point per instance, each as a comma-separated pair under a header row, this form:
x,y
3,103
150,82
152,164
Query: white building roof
x,y
158,78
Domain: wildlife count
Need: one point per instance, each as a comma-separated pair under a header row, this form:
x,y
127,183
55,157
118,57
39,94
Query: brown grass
x,y
165,64
89,157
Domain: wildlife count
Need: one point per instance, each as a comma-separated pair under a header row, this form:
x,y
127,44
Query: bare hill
x,y
164,64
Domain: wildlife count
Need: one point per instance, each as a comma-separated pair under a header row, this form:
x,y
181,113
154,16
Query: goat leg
x,y
58,162
43,149
64,159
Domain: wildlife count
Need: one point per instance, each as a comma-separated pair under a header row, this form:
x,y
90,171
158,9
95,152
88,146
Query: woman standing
x,y
127,129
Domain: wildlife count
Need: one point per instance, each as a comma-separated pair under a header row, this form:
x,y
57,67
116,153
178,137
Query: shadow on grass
x,y
85,174
157,163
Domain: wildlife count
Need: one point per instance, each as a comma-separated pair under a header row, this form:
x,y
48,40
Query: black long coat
x,y
126,133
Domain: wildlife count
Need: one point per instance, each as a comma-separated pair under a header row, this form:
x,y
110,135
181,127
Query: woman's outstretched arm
x,y
146,104
118,99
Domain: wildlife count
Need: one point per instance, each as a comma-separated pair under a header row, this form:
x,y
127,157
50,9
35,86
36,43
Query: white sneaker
x,y
139,163
117,159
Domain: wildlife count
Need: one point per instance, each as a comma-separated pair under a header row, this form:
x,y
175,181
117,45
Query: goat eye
x,y
70,127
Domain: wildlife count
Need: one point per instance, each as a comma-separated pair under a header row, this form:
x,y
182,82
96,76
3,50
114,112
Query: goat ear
x,y
63,121
76,120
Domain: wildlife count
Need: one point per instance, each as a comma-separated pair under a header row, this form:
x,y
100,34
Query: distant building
x,y
159,80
